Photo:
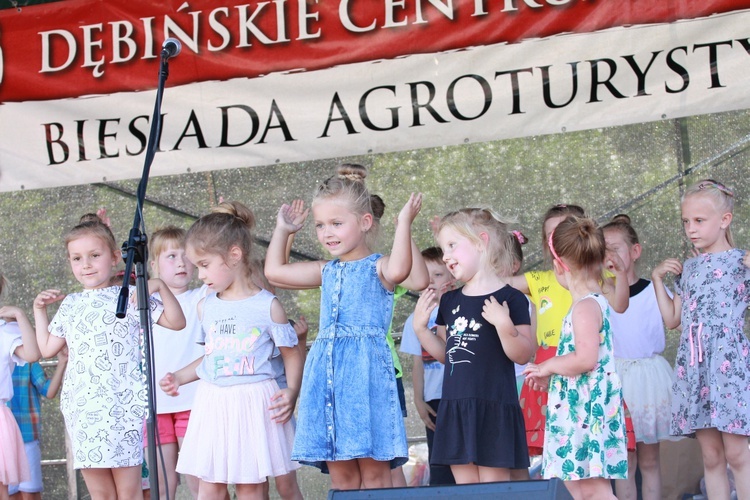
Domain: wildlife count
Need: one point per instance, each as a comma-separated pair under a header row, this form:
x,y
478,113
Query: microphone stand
x,y
135,251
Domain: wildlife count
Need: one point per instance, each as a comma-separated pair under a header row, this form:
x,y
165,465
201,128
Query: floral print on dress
x,y
585,430
712,367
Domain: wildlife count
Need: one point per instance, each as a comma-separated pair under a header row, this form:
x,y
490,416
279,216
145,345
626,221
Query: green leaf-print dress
x,y
585,431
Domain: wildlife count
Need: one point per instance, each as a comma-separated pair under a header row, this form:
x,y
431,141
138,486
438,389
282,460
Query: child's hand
x,y
46,298
425,411
291,217
283,405
11,313
169,384
673,266
301,328
423,309
613,262
746,259
498,314
410,210
434,225
537,377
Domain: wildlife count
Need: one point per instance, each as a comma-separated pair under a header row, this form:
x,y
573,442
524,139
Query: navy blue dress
x,y
480,420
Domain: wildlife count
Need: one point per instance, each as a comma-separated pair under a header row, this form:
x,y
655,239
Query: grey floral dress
x,y
585,431
712,368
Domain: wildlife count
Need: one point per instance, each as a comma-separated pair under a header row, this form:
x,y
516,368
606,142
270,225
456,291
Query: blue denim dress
x,y
348,405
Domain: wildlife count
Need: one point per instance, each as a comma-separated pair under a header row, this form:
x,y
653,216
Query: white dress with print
x,y
103,398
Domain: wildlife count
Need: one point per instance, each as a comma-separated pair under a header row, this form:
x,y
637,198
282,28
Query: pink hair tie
x,y
554,253
520,237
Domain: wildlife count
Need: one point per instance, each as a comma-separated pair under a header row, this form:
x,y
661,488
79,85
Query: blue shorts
x,y
401,396
34,457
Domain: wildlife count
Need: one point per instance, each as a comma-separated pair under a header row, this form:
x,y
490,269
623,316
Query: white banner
x,y
552,85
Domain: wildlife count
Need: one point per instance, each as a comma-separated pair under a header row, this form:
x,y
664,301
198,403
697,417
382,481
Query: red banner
x,y
80,47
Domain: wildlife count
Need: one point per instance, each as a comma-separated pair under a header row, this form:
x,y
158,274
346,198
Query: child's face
x,y
462,256
174,268
92,261
212,269
617,243
440,279
704,224
340,231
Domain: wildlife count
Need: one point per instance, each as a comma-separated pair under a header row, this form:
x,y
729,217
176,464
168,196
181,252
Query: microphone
x,y
170,48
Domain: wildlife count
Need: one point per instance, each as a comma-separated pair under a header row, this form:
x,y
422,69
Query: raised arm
x,y
670,307
396,267
617,293
279,271
434,344
49,345
172,317
418,273
29,351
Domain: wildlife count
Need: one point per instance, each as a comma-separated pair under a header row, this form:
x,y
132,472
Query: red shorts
x,y
170,426
534,407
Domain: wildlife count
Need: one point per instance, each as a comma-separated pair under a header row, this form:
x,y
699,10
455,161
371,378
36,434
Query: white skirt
x,y
647,390
231,438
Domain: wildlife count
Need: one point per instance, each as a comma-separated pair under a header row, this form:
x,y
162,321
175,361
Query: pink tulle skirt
x,y
14,467
231,438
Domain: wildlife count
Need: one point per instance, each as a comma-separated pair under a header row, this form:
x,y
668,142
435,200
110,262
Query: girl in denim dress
x,y
349,420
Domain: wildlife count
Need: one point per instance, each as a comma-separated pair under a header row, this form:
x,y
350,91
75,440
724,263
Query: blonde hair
x,y
470,222
229,224
162,238
722,197
348,184
580,241
91,224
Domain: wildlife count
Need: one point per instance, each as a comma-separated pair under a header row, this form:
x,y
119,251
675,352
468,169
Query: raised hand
x,y
425,305
673,266
292,217
47,297
410,210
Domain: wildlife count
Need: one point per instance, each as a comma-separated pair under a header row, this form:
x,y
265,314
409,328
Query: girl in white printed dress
x,y
103,398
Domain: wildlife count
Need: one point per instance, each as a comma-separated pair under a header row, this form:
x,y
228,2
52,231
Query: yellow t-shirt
x,y
552,303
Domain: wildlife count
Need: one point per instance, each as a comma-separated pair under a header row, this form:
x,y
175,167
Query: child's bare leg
x,y
714,462
493,474
287,486
375,473
738,457
397,477
250,491
648,462
519,475
212,491
169,452
598,488
3,491
345,475
127,481
626,488
192,481
465,473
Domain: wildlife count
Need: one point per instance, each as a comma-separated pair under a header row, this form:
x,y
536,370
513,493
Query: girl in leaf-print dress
x,y
584,439
711,392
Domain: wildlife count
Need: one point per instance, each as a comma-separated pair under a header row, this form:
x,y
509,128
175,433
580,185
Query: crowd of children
x,y
564,363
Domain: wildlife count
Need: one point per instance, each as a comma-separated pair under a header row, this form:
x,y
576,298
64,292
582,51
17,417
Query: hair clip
x,y
716,185
520,237
554,253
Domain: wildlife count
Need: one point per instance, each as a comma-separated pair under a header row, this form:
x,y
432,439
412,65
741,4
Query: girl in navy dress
x,y
483,328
